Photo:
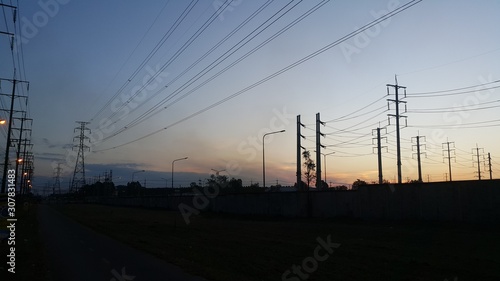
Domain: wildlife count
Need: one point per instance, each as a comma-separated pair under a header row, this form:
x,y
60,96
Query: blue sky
x,y
85,51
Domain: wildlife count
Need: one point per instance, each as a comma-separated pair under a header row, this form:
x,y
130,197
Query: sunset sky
x,y
88,59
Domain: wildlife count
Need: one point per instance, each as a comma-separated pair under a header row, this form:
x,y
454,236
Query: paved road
x,y
77,253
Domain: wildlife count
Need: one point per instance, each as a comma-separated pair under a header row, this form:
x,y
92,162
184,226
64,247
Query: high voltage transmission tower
x,y
489,166
26,159
477,149
299,153
57,179
397,101
22,141
379,154
78,179
11,111
449,157
318,150
417,146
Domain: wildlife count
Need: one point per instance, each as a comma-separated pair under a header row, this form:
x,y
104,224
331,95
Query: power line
x,y
281,71
158,45
453,90
427,95
450,109
461,126
343,118
156,109
128,59
181,50
452,62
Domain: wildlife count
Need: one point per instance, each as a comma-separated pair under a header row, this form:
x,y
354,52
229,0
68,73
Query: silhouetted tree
x,y
217,180
323,185
133,188
414,181
98,189
235,184
310,168
358,183
302,186
341,187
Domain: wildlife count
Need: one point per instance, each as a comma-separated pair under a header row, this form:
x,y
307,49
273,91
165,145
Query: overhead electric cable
x,y
283,70
158,45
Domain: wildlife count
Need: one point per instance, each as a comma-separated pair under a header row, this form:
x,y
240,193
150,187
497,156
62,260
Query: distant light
x,y
20,160
3,121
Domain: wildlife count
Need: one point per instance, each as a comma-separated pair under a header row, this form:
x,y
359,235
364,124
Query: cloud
x,y
48,156
45,142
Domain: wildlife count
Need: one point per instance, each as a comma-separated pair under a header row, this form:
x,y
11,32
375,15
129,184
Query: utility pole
x,y
379,154
489,166
299,153
397,101
79,172
318,150
478,161
418,156
449,156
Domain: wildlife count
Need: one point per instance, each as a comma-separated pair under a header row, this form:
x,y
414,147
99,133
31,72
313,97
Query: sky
x,y
216,87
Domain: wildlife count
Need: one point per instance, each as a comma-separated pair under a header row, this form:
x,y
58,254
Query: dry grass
x,y
222,247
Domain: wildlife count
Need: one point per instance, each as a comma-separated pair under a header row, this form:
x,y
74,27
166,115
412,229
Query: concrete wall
x,y
466,201
470,201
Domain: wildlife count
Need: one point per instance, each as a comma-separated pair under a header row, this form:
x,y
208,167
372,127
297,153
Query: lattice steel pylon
x,y
57,179
78,179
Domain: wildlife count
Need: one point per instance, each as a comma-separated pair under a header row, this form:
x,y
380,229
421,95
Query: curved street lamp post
x,y
173,168
133,173
263,157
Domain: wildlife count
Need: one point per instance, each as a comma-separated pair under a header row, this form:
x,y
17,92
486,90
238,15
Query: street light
x,y
173,169
3,121
135,173
324,155
263,157
166,182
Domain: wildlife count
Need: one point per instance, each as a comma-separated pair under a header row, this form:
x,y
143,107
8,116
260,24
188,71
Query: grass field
x,y
223,247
